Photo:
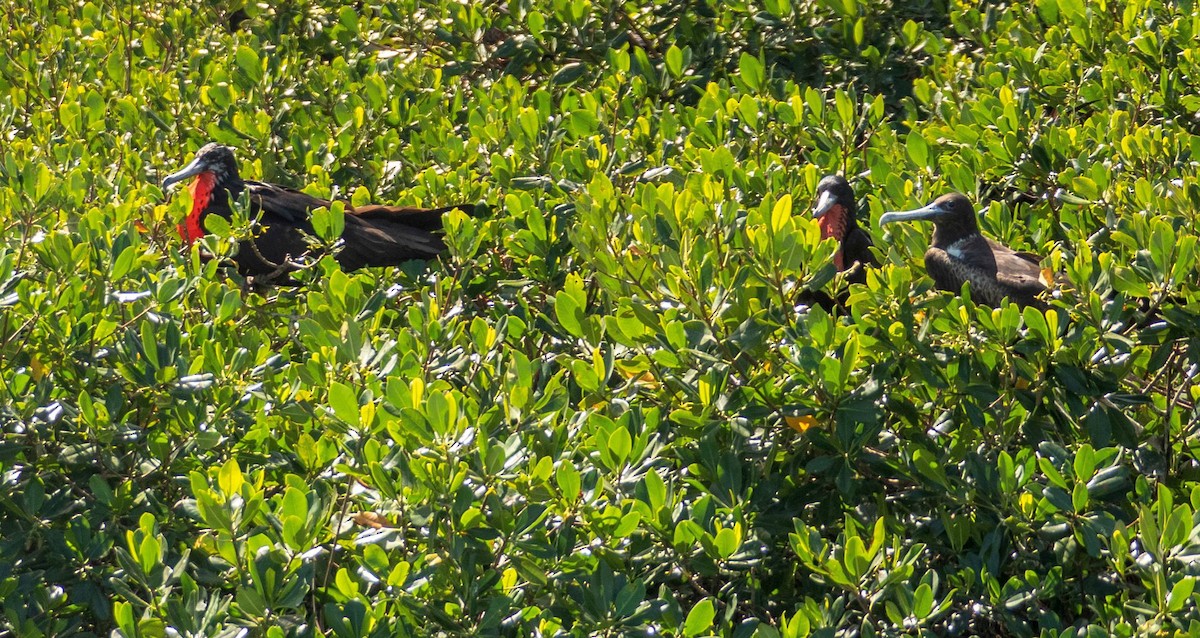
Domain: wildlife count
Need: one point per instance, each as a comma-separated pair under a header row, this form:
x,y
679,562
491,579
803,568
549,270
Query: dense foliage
x,y
606,411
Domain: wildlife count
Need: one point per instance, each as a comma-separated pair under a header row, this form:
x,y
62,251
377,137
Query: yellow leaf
x,y
1025,501
371,519
1021,383
801,424
636,374
508,579
1047,278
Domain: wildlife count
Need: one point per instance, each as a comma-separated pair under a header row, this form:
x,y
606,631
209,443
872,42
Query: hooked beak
x,y
191,170
932,211
824,203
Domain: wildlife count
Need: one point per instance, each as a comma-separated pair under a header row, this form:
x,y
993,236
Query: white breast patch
x,y
956,249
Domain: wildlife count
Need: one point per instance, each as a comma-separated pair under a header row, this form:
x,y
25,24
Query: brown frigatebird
x,y
374,235
836,212
958,253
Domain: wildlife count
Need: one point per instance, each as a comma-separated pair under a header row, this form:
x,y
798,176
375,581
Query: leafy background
x,y
607,411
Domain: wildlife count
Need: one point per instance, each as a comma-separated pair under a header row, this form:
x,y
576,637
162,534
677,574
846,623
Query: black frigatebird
x,y
836,212
958,253
374,235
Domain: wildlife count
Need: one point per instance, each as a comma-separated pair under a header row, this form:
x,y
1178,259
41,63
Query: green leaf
x,y
148,554
1035,321
569,73
247,60
337,220
569,305
779,8
751,71
619,445
1084,463
568,481
217,225
42,183
656,490
152,628
251,602
700,618
344,402
855,560
918,149
149,343
328,223
348,18
922,601
674,61
845,109
361,197
727,542
849,361
294,503
569,313
1079,498
536,23
781,213
1180,594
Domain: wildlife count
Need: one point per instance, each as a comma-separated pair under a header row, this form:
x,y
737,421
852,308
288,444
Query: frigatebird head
x,y
835,208
952,215
211,158
216,176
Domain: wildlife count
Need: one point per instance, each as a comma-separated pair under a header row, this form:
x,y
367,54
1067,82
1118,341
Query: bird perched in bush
x,y
959,252
374,235
836,212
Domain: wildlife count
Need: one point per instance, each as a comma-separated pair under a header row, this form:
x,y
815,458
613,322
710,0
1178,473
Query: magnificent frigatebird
x,y
836,212
374,235
960,253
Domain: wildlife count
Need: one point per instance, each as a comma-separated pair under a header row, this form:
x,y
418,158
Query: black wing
x,y
856,246
286,203
429,219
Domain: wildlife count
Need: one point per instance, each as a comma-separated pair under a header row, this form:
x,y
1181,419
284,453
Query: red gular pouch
x,y
833,224
202,187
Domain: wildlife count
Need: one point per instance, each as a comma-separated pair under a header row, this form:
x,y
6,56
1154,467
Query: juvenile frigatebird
x,y
837,212
958,253
374,235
